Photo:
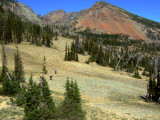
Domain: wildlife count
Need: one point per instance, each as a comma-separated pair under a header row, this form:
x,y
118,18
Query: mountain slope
x,y
54,16
106,94
104,17
23,11
27,13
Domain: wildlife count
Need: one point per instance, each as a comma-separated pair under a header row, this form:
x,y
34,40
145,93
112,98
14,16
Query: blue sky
x,y
146,8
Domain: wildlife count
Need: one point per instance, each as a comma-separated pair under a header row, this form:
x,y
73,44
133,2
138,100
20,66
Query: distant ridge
x,y
104,17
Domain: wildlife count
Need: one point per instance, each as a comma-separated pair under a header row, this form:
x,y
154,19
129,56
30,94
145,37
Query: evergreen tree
x,y
150,86
48,109
4,63
77,97
44,70
9,86
153,90
100,57
31,80
67,88
71,108
18,70
32,103
18,30
8,29
66,54
69,54
20,98
1,25
43,39
158,87
48,40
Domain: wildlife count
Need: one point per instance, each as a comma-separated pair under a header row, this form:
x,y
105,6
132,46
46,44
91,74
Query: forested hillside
x,y
15,30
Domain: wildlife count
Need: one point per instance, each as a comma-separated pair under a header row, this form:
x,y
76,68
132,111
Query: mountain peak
x,y
59,10
101,4
103,17
54,16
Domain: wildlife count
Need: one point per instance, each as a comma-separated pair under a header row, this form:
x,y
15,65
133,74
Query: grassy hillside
x,y
106,94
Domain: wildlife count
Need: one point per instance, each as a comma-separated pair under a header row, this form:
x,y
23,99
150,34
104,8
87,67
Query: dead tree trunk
x,y
119,61
131,57
156,67
8,76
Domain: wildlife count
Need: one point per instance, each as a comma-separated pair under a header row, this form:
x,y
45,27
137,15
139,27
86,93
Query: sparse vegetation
x,y
100,81
36,99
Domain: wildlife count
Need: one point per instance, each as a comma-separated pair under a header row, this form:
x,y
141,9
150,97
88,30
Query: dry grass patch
x,y
106,94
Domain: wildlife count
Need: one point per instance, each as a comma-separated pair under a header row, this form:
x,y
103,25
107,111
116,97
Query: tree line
x,y
121,52
14,30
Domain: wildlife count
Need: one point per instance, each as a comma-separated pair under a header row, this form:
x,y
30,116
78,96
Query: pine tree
x,y
31,80
67,88
44,70
8,30
18,31
9,86
69,54
66,54
48,40
4,63
100,56
48,109
150,86
158,87
73,51
153,90
71,108
32,103
20,98
18,70
77,97
43,39
1,26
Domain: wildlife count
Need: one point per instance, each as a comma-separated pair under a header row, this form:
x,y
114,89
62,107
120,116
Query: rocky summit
x,y
104,17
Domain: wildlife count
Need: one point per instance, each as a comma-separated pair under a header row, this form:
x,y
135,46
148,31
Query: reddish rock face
x,y
101,17
105,17
54,16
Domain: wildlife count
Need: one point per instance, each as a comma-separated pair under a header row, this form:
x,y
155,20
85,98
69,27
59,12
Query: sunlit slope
x,y
106,94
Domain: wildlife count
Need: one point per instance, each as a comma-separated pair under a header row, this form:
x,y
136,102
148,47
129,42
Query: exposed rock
x,y
101,17
25,12
54,16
